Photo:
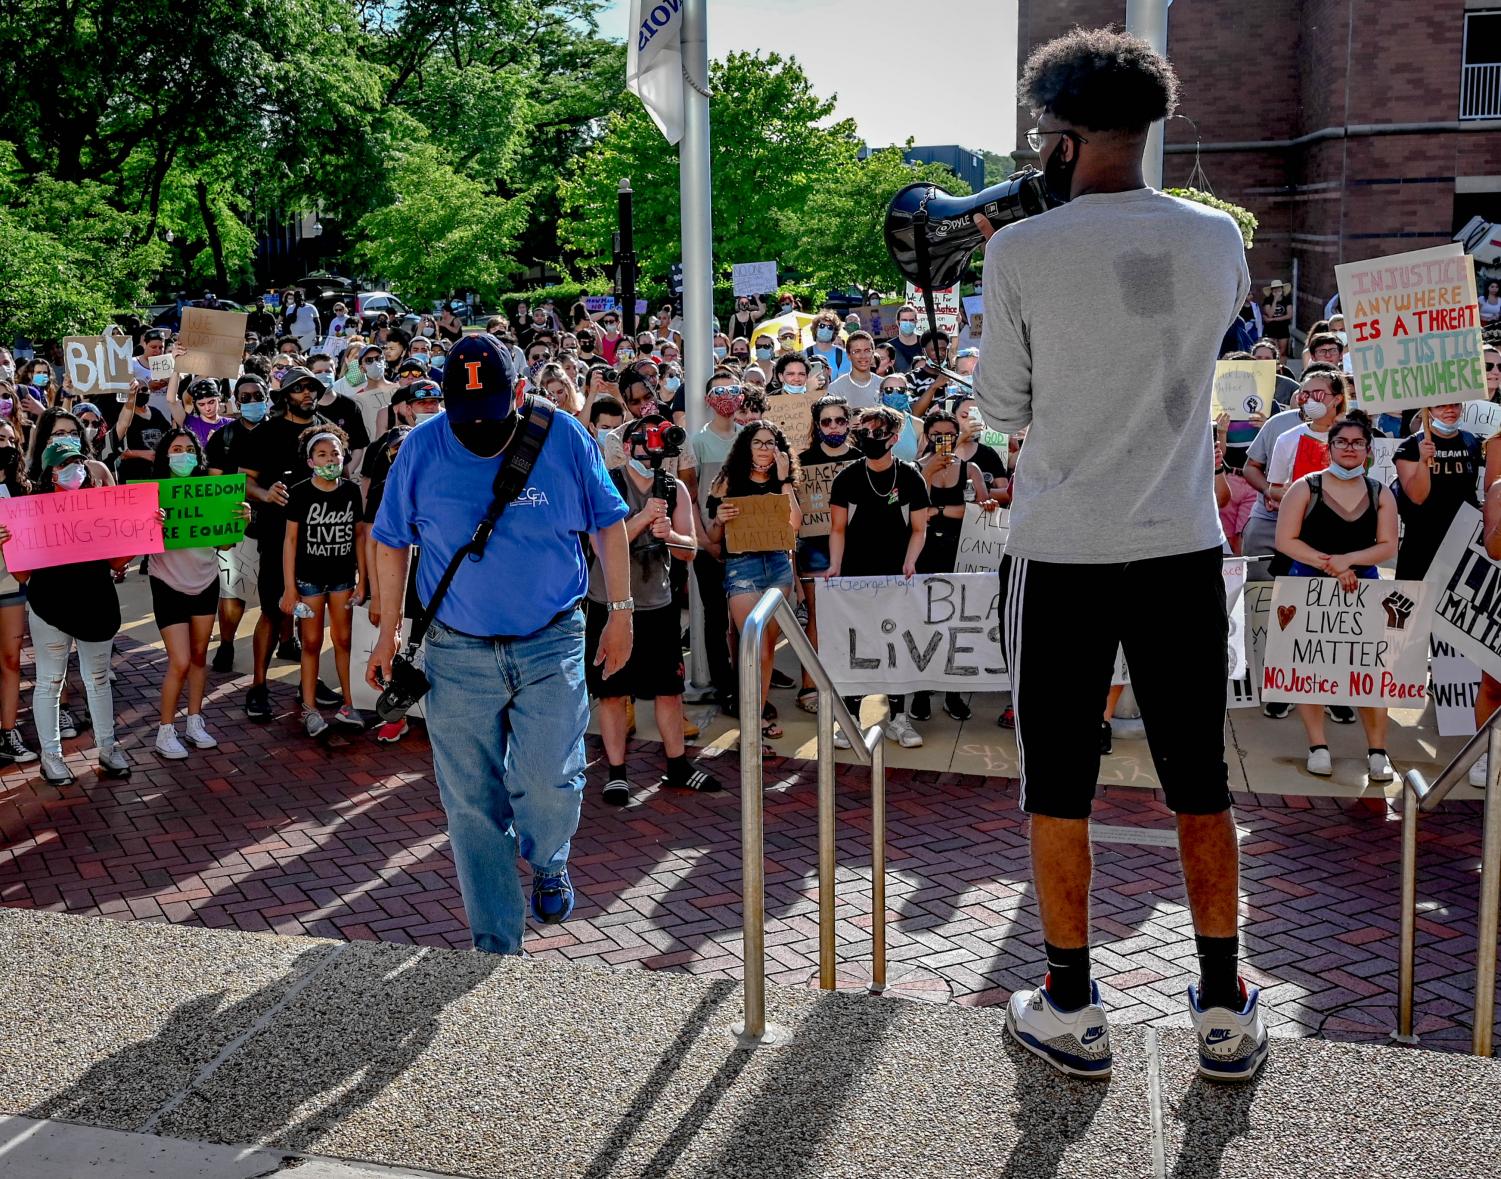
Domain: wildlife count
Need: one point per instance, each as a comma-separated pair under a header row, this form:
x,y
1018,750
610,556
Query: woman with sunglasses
x,y
827,454
1341,523
759,463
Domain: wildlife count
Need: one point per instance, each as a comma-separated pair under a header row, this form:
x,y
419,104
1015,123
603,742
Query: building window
x,y
1480,76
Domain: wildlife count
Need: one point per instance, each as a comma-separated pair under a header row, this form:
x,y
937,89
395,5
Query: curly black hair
x,y
1101,79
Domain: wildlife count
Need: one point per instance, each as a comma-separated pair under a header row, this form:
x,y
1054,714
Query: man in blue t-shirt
x,y
505,652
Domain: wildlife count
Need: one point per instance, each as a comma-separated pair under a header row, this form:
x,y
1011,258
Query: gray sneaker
x,y
313,722
113,763
55,770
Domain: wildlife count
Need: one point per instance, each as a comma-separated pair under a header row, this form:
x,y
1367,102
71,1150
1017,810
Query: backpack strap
x,y
510,481
1315,493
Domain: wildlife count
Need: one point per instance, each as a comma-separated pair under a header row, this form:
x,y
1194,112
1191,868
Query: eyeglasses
x,y
840,421
1348,444
764,443
1035,136
725,391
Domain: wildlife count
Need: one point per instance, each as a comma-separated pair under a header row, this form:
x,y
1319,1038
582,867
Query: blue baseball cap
x,y
479,380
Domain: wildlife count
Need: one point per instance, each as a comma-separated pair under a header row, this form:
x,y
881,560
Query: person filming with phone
x,y
501,628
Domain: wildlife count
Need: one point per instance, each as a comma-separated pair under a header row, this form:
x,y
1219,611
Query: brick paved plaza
x,y
273,832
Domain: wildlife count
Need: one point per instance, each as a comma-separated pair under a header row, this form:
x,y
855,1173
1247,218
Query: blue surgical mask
x,y
253,411
1340,472
763,353
907,327
825,334
72,477
182,464
40,379
720,351
1447,429
896,399
794,389
672,384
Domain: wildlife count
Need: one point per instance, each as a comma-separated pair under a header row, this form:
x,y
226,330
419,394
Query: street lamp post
x,y
626,259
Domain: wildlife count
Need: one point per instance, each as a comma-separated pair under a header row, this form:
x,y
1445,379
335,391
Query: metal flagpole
x,y
698,258
1148,20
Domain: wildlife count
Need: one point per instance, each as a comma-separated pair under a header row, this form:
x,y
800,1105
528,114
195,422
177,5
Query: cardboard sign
x,y
1467,606
215,342
202,512
764,525
95,524
1481,418
754,278
1414,327
97,365
1311,457
974,311
945,307
1366,648
1244,387
813,486
1456,683
883,323
982,539
938,632
793,414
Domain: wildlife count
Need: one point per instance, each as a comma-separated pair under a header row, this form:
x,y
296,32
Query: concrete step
x,y
465,1064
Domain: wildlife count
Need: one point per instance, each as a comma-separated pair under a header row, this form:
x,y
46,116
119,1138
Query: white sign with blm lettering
x,y
1467,608
939,632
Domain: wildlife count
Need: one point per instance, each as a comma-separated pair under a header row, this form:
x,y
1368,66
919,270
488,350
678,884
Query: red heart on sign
x,y
1286,614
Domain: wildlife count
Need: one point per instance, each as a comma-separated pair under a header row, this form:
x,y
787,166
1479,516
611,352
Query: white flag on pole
x,y
654,62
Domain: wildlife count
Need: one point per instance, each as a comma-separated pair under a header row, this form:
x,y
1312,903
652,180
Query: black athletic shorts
x,y
1061,625
172,607
655,667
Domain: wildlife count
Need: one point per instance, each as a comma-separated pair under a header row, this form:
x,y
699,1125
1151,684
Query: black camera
x,y
407,685
654,438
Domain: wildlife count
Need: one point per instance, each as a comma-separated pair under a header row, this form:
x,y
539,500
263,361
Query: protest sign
x,y
883,325
215,342
754,278
362,636
793,414
764,525
1414,329
813,486
1456,683
97,364
1383,467
202,512
599,304
161,367
982,539
1244,387
974,311
97,523
945,307
1366,648
1467,609
1245,691
939,632
1311,457
1481,418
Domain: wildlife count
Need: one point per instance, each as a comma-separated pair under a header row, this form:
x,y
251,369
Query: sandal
x,y
807,700
617,792
768,711
770,730
699,780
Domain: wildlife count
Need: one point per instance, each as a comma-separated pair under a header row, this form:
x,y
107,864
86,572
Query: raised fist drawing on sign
x,y
1398,607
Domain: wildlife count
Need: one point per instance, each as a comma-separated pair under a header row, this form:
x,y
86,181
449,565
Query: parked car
x,y
377,303
324,289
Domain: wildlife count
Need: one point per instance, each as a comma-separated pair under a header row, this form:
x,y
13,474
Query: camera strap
x,y
510,481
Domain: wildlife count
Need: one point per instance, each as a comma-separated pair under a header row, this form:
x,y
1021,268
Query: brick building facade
x,y
1351,128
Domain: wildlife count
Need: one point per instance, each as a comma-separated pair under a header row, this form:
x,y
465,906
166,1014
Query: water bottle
x,y
302,610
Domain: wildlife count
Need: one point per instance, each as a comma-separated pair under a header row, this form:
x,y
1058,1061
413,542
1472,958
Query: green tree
x,y
838,235
997,167
769,155
442,232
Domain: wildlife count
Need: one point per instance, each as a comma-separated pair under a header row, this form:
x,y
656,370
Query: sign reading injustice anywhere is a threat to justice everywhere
x,y
1414,329
202,512
97,523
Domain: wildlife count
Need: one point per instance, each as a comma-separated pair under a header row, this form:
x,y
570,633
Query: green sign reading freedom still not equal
x,y
202,512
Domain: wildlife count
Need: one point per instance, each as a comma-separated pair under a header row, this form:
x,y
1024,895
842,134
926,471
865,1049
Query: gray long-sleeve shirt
x,y
1103,320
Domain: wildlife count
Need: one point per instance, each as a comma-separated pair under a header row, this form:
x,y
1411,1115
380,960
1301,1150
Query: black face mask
x,y
8,457
485,439
1058,173
874,448
143,400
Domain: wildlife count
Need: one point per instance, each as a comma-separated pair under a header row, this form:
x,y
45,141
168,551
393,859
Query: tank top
x,y
950,497
1328,531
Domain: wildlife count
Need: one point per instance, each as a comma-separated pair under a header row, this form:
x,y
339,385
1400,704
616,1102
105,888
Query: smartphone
x,y
1241,432
944,444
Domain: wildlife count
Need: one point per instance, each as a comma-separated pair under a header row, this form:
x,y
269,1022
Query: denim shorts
x,y
755,573
813,554
308,590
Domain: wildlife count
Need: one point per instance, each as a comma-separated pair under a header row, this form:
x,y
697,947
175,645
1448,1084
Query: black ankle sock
x,y
1370,749
1219,972
678,770
1068,976
616,772
1311,748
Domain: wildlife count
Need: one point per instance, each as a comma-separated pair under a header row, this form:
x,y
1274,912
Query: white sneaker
x,y
840,740
900,730
1073,1042
167,743
197,732
1379,767
1320,763
1232,1044
1480,772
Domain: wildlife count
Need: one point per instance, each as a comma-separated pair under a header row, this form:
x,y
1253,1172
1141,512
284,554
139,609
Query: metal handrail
x,y
1419,796
867,747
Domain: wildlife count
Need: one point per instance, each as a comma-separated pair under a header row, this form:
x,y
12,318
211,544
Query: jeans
x,y
506,718
51,651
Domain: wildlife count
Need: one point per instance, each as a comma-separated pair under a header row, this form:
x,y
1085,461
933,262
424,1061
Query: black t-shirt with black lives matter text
x,y
326,531
880,504
1457,463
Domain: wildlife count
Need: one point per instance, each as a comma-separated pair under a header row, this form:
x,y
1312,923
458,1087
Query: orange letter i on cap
x,y
474,381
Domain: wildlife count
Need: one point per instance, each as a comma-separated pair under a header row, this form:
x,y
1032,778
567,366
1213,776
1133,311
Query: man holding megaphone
x,y
1110,308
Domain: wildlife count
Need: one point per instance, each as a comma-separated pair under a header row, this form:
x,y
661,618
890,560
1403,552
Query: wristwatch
x,y
624,604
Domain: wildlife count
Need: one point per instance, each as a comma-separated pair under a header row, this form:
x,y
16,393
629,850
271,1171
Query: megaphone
x,y
931,235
